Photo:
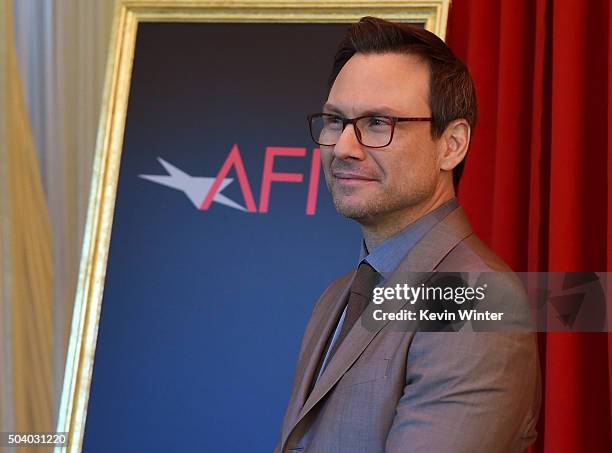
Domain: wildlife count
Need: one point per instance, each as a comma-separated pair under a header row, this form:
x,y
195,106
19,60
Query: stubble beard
x,y
373,207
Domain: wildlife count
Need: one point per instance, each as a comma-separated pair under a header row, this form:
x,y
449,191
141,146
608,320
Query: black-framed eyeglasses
x,y
373,131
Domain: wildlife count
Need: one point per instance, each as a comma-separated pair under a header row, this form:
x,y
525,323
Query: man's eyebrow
x,y
327,107
382,110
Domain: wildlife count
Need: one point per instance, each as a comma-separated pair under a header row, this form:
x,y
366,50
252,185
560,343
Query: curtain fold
x,y
27,258
6,356
62,49
609,245
537,185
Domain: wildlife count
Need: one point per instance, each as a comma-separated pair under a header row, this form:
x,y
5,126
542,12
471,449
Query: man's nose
x,y
348,146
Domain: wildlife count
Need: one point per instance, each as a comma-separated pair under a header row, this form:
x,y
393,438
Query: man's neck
x,y
377,232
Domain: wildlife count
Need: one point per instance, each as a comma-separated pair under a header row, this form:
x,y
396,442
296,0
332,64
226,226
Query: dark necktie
x,y
359,297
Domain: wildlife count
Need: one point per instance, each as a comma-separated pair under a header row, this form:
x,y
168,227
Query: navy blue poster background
x,y
204,310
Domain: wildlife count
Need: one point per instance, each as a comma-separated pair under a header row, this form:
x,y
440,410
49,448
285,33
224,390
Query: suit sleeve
x,y
467,392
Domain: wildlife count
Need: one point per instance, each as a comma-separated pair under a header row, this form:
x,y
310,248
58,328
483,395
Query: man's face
x,y
369,184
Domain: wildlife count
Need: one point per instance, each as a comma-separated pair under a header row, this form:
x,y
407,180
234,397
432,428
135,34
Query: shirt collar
x,y
387,256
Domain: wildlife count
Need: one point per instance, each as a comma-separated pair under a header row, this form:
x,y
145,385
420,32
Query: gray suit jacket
x,y
397,391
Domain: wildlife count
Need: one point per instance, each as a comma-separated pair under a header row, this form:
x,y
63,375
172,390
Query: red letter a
x,y
233,158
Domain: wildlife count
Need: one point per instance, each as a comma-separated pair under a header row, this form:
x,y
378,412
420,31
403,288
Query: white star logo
x,y
195,187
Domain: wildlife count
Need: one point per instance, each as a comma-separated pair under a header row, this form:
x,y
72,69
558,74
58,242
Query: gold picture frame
x,y
129,13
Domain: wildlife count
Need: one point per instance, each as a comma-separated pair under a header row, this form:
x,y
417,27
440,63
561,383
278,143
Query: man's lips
x,y
346,177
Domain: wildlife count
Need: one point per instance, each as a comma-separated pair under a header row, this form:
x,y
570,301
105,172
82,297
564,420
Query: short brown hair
x,y
452,94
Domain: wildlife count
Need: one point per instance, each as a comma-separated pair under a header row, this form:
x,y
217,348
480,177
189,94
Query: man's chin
x,y
355,211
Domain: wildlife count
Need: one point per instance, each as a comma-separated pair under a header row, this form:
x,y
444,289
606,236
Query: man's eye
x,y
377,121
333,122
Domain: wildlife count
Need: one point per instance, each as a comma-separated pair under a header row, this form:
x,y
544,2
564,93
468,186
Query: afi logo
x,y
202,191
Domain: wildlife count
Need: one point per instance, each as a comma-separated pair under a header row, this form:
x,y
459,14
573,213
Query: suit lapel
x,y
421,260
331,305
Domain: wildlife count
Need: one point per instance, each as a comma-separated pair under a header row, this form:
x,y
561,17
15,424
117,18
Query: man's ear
x,y
454,144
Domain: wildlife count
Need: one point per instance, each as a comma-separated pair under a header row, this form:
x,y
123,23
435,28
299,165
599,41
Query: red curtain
x,y
536,185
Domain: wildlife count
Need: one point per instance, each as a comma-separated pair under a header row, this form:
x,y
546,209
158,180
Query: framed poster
x,y
210,232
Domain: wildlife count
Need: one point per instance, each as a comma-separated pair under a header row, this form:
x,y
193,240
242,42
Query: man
x,y
394,133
